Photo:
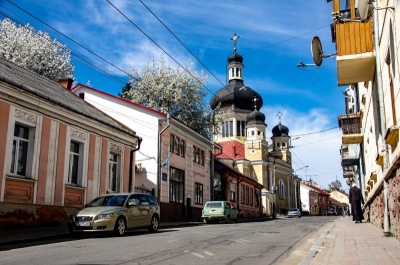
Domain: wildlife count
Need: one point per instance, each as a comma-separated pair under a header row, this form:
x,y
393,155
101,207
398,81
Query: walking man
x,y
356,199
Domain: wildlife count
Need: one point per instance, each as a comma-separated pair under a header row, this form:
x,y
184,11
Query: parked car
x,y
331,212
117,213
219,211
294,212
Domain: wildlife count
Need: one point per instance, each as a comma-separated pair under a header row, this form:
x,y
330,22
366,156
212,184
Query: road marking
x,y
197,255
208,253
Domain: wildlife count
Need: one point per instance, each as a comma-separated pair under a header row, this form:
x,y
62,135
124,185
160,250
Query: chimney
x,y
66,83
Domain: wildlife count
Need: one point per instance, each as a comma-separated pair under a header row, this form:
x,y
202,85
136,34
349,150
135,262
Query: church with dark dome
x,y
240,130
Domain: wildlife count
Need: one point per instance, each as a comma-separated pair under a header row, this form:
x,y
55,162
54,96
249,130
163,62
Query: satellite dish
x,y
316,51
364,9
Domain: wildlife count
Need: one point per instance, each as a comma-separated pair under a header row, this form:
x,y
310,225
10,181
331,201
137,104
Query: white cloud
x,y
315,143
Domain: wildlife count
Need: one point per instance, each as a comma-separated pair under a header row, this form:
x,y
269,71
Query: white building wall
x,y
305,198
142,120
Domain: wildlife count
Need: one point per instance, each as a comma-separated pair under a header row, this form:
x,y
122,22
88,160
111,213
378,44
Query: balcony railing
x,y
349,156
350,123
351,128
348,172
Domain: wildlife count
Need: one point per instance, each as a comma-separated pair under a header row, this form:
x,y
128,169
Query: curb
x,y
314,249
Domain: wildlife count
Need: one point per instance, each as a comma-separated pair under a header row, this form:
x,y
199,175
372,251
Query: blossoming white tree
x,y
179,92
34,51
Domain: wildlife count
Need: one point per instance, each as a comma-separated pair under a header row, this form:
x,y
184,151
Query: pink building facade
x,y
57,152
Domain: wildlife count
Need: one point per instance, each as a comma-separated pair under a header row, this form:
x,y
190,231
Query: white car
x,y
294,212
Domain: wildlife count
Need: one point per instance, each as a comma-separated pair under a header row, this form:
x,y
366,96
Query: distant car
x,y
294,212
219,211
117,213
331,212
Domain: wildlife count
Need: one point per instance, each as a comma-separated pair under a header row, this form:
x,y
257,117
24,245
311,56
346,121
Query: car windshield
x,y
111,200
213,205
293,210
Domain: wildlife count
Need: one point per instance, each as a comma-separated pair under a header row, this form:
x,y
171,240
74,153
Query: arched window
x,y
281,189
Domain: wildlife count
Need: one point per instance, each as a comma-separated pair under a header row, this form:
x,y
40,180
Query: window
x,y
198,155
176,181
233,191
176,145
242,195
114,178
281,190
199,193
227,128
247,195
251,196
19,157
240,128
75,163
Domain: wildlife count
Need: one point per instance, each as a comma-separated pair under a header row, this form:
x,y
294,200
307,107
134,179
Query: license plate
x,y
83,223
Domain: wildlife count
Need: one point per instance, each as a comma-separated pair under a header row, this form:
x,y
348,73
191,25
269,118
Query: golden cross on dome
x,y
235,38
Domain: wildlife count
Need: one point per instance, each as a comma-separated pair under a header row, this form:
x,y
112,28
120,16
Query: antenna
x,y
365,9
316,51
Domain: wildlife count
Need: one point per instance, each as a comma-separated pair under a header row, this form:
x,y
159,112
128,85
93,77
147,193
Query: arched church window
x,y
281,189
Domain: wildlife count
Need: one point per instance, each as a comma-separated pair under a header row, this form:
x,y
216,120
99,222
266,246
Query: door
x,y
134,212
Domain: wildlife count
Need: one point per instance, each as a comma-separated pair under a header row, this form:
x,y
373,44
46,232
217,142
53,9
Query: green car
x,y
219,211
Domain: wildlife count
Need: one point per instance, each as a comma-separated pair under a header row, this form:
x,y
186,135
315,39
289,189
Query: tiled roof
x,y
232,150
54,93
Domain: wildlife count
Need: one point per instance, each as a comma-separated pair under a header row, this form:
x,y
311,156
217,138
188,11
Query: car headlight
x,y
105,216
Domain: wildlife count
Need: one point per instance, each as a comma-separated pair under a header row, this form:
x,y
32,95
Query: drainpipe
x,y
131,166
159,161
381,114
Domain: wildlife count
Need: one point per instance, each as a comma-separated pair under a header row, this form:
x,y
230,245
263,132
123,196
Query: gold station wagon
x,y
117,213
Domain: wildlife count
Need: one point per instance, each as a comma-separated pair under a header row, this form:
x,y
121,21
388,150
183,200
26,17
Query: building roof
x,y
77,87
222,167
232,150
49,90
311,187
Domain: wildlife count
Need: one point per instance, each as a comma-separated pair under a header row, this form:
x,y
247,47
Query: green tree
x,y
335,185
179,92
34,51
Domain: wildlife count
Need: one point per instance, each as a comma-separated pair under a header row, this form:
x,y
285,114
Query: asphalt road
x,y
283,240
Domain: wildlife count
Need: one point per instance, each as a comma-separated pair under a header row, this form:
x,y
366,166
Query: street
x,y
269,242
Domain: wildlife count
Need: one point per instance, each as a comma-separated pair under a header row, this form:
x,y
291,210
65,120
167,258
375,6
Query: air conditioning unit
x,y
138,167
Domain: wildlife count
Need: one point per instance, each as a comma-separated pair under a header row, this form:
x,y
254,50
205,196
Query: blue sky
x,y
275,36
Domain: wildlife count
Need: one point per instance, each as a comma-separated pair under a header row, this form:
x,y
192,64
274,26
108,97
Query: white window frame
x,y
33,122
81,138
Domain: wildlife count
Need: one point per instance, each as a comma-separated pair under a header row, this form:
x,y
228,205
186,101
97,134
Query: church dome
x,y
255,118
280,130
235,58
237,94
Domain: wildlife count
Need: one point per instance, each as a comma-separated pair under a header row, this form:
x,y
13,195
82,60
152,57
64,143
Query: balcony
x,y
349,156
355,57
351,128
348,172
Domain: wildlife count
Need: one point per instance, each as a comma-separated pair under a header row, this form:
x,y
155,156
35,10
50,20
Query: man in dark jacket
x,y
356,199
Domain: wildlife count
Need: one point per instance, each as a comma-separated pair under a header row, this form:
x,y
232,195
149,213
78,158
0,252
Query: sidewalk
x,y
345,242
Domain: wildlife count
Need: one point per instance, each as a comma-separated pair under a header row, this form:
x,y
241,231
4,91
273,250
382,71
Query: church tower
x,y
240,127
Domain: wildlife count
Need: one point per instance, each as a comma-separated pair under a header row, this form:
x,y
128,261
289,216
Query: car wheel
x,y
227,220
120,227
154,224
206,221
